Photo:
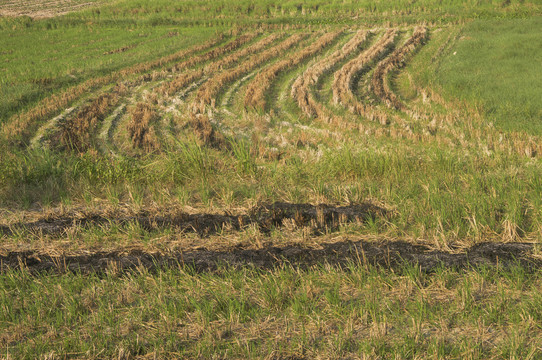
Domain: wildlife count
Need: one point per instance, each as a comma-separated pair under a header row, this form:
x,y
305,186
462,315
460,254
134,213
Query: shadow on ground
x,y
385,254
266,217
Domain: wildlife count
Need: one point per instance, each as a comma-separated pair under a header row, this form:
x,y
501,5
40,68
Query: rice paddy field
x,y
270,180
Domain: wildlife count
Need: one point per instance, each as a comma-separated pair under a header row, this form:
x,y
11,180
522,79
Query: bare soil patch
x,y
42,8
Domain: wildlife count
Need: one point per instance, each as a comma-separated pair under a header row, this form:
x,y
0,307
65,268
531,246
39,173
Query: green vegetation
x,y
440,194
209,12
245,313
143,132
494,65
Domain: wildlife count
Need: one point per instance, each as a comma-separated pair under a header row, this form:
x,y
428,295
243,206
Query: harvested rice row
x,y
184,79
206,94
342,82
169,88
74,134
202,126
255,95
109,124
181,81
195,60
77,132
300,88
380,83
20,126
232,58
214,53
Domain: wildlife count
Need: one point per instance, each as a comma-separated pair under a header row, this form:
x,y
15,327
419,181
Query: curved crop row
x,y
232,58
262,82
184,79
396,59
20,126
214,53
342,82
179,82
207,93
300,88
77,131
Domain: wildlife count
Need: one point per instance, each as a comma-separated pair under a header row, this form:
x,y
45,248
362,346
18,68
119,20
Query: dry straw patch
x,y
143,136
77,132
39,9
205,133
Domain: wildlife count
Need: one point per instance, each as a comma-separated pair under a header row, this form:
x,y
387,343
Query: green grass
x,y
245,313
495,65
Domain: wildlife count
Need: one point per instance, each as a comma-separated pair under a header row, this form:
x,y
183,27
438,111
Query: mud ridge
x,y
382,254
266,217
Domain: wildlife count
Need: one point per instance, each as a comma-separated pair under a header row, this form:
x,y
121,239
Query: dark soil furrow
x,y
384,254
266,217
